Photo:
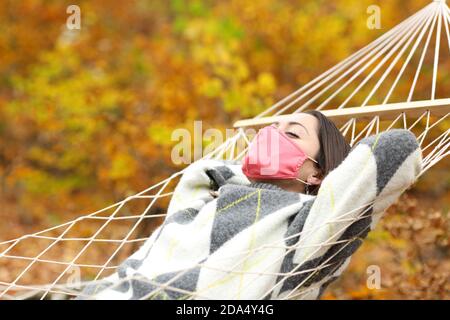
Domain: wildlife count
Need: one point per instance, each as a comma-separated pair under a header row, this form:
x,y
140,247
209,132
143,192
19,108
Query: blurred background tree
x,y
86,116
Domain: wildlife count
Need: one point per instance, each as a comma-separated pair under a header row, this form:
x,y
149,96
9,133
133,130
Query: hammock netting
x,y
409,63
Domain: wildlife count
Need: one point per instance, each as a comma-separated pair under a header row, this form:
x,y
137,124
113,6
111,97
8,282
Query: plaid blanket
x,y
257,241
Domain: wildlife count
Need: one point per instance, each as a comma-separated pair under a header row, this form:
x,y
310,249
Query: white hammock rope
x,y
374,54
398,49
350,61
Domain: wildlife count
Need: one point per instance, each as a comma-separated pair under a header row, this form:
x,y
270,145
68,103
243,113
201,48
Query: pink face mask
x,y
273,155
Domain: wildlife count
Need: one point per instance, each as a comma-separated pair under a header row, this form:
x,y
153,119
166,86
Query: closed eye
x,y
293,135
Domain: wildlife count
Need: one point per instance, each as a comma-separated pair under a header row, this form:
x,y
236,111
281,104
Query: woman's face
x,y
303,129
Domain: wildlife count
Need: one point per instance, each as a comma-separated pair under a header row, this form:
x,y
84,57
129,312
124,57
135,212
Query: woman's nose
x,y
281,126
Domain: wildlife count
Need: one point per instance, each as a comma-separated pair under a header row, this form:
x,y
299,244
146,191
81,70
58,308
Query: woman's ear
x,y
315,178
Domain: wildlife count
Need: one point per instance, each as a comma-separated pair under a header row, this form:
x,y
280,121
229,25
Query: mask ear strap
x,y
304,182
306,185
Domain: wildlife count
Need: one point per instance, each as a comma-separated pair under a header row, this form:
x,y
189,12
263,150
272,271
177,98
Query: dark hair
x,y
333,147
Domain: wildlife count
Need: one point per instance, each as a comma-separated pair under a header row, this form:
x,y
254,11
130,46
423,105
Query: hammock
x,y
415,51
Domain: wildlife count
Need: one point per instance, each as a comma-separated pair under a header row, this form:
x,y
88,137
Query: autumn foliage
x,y
86,115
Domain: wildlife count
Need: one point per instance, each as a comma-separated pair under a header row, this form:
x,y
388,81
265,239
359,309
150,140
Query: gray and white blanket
x,y
257,241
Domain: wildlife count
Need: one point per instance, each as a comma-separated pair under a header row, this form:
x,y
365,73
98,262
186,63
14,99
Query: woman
x,y
319,139
283,223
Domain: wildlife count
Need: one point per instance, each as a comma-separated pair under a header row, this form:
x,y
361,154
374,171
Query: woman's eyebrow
x,y
294,122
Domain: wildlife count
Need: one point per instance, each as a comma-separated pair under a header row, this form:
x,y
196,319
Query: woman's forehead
x,y
304,118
